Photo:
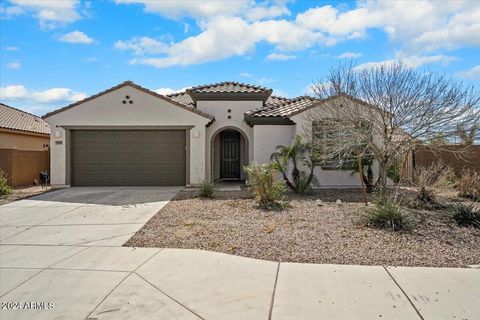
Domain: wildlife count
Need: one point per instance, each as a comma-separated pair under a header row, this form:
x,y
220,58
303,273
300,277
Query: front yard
x,y
307,232
22,193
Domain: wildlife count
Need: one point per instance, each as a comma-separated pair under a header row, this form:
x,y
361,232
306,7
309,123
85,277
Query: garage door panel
x,y
128,157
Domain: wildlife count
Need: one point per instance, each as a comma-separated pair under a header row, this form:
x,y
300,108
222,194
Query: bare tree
x,y
385,112
468,136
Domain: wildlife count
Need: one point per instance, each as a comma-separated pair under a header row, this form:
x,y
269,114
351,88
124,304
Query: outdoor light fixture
x,y
58,134
196,134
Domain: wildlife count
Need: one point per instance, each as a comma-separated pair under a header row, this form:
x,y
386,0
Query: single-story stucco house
x,y
24,141
129,135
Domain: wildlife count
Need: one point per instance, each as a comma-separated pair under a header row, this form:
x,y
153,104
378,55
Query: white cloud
x,y
14,65
350,55
142,45
420,25
51,13
417,29
375,64
279,93
280,56
76,37
413,61
473,73
13,92
10,48
10,12
53,95
267,12
222,38
195,9
167,91
245,75
416,61
208,10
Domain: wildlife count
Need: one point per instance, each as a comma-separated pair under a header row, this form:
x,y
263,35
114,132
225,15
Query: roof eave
x,y
229,96
274,120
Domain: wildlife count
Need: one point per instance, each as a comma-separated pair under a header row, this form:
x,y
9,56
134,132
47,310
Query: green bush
x,y
469,185
386,214
268,191
4,187
466,215
207,188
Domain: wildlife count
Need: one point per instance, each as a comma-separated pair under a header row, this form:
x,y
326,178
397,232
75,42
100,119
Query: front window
x,y
336,144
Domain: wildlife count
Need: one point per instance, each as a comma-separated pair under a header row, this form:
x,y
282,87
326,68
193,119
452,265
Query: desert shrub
x,y
386,214
207,188
4,187
469,185
466,215
430,181
268,191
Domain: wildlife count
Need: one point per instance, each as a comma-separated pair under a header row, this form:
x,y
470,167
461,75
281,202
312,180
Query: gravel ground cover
x,y
306,232
23,193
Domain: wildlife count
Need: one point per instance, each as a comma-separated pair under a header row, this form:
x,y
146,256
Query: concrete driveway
x,y
60,258
106,216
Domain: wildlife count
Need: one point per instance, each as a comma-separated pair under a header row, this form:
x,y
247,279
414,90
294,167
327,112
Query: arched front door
x,y
229,154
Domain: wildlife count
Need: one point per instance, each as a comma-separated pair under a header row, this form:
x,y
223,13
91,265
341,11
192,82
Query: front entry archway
x,y
229,154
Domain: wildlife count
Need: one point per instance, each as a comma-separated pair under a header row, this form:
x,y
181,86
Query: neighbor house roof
x,y
228,87
14,119
183,98
136,86
283,107
186,99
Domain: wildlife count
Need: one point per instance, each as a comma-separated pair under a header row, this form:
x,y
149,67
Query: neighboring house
x,y
24,140
129,135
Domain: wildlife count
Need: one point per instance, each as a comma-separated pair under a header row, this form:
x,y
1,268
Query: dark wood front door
x,y
230,155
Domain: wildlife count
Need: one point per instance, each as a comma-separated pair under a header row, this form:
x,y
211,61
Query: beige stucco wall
x,y
219,109
21,141
147,111
268,137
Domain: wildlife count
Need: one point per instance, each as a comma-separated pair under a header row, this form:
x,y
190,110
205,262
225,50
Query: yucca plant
x,y
466,215
386,214
207,188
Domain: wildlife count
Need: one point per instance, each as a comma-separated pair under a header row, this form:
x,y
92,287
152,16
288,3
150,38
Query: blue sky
x,y
56,52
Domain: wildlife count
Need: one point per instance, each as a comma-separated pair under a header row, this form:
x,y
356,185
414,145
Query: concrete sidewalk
x,y
127,283
61,258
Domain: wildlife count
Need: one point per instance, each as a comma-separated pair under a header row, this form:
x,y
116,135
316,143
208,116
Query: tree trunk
x,y
382,174
360,169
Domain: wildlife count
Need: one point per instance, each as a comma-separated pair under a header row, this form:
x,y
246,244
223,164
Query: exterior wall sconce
x,y
58,134
196,134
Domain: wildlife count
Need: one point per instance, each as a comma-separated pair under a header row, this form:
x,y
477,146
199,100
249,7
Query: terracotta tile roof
x,y
229,87
283,107
276,100
183,98
14,119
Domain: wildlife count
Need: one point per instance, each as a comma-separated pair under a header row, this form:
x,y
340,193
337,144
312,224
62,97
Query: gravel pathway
x,y
306,232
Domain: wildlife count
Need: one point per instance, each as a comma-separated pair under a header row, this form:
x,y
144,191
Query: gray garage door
x,y
128,157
